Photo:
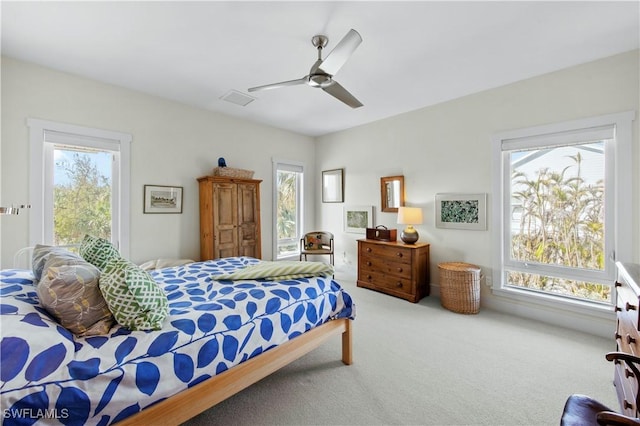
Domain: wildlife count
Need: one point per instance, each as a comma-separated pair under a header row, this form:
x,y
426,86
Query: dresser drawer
x,y
398,254
625,388
369,263
627,336
627,303
383,281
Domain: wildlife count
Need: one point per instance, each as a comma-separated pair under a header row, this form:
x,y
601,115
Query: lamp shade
x,y
409,215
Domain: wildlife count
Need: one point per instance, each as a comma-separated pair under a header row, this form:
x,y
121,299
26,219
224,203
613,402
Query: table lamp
x,y
409,216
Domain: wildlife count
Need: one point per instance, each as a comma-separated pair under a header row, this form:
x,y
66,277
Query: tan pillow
x,y
71,294
42,254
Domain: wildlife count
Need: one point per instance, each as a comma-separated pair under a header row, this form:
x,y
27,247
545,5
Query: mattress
x,y
50,376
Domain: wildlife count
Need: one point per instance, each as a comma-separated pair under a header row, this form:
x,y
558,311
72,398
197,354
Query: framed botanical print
x,y
461,211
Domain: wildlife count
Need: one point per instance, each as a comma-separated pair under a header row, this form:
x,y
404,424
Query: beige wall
x,y
173,144
444,148
447,148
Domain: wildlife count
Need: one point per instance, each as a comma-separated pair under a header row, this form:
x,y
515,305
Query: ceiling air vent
x,y
237,98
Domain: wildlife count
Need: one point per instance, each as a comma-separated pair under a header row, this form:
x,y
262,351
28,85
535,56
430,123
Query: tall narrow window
x,y
560,232
288,179
79,181
82,193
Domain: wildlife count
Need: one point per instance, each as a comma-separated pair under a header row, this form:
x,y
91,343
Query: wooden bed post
x,y
347,347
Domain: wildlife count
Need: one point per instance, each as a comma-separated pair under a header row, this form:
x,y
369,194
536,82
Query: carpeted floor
x,y
420,364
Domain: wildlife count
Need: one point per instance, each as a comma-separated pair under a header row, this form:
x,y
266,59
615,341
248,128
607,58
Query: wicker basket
x,y
231,172
460,287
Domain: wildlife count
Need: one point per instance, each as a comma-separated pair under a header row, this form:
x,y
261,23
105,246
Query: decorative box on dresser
x,y
394,268
229,217
627,334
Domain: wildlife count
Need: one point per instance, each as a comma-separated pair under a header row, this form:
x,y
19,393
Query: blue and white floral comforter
x,y
50,376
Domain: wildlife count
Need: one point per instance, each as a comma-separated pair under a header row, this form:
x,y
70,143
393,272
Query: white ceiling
x,y
413,54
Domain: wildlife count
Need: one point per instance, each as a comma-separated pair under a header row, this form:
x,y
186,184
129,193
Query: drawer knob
x,y
618,284
369,277
368,263
399,269
628,373
630,339
399,254
617,308
399,284
617,336
630,307
627,404
368,249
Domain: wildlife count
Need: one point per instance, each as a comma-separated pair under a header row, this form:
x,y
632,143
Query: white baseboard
x,y
598,325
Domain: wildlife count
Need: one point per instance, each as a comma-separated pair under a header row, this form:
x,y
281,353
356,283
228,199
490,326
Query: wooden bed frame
x,y
193,401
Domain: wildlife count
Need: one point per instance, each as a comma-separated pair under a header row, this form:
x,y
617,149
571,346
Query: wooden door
x,y
225,213
249,220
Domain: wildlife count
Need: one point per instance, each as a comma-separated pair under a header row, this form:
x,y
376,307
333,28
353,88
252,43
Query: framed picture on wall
x,y
358,218
333,186
162,199
461,211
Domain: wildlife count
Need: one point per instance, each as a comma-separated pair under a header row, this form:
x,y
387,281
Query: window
x,y
288,212
79,181
82,191
563,208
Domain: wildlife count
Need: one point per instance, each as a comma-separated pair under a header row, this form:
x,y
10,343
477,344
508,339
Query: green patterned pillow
x,y
97,251
137,302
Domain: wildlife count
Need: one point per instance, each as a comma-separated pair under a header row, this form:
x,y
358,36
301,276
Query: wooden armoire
x,y
229,217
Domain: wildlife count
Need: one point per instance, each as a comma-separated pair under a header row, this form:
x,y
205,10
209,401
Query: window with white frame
x,y
562,208
288,208
80,179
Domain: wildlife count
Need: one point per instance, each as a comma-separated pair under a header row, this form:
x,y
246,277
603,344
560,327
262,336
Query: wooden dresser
x,y
394,268
229,217
627,334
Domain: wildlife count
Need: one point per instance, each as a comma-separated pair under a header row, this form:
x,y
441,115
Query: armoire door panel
x,y
229,217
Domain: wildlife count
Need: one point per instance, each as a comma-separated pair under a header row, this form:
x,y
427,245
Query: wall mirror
x,y
392,193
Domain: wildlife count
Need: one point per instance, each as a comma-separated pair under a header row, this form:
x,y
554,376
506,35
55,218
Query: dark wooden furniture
x,y
229,217
394,268
582,410
627,334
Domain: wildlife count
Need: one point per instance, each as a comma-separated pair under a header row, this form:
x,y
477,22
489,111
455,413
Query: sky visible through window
x,y
63,158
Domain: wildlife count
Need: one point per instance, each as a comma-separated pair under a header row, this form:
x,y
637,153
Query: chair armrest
x,y
632,361
610,418
612,356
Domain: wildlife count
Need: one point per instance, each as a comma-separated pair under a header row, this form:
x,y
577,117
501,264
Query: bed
x,y
220,336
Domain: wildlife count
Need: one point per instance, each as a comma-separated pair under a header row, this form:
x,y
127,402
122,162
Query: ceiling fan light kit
x,y
322,71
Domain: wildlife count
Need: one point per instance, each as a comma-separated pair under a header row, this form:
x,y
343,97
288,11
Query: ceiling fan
x,y
322,71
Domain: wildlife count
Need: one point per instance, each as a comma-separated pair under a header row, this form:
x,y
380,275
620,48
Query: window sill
x,y
546,301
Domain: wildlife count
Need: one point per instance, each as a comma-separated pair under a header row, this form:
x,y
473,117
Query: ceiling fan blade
x,y
339,55
302,80
340,93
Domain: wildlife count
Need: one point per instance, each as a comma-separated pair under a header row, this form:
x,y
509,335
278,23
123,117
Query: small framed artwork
x,y
461,211
333,186
358,218
162,199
